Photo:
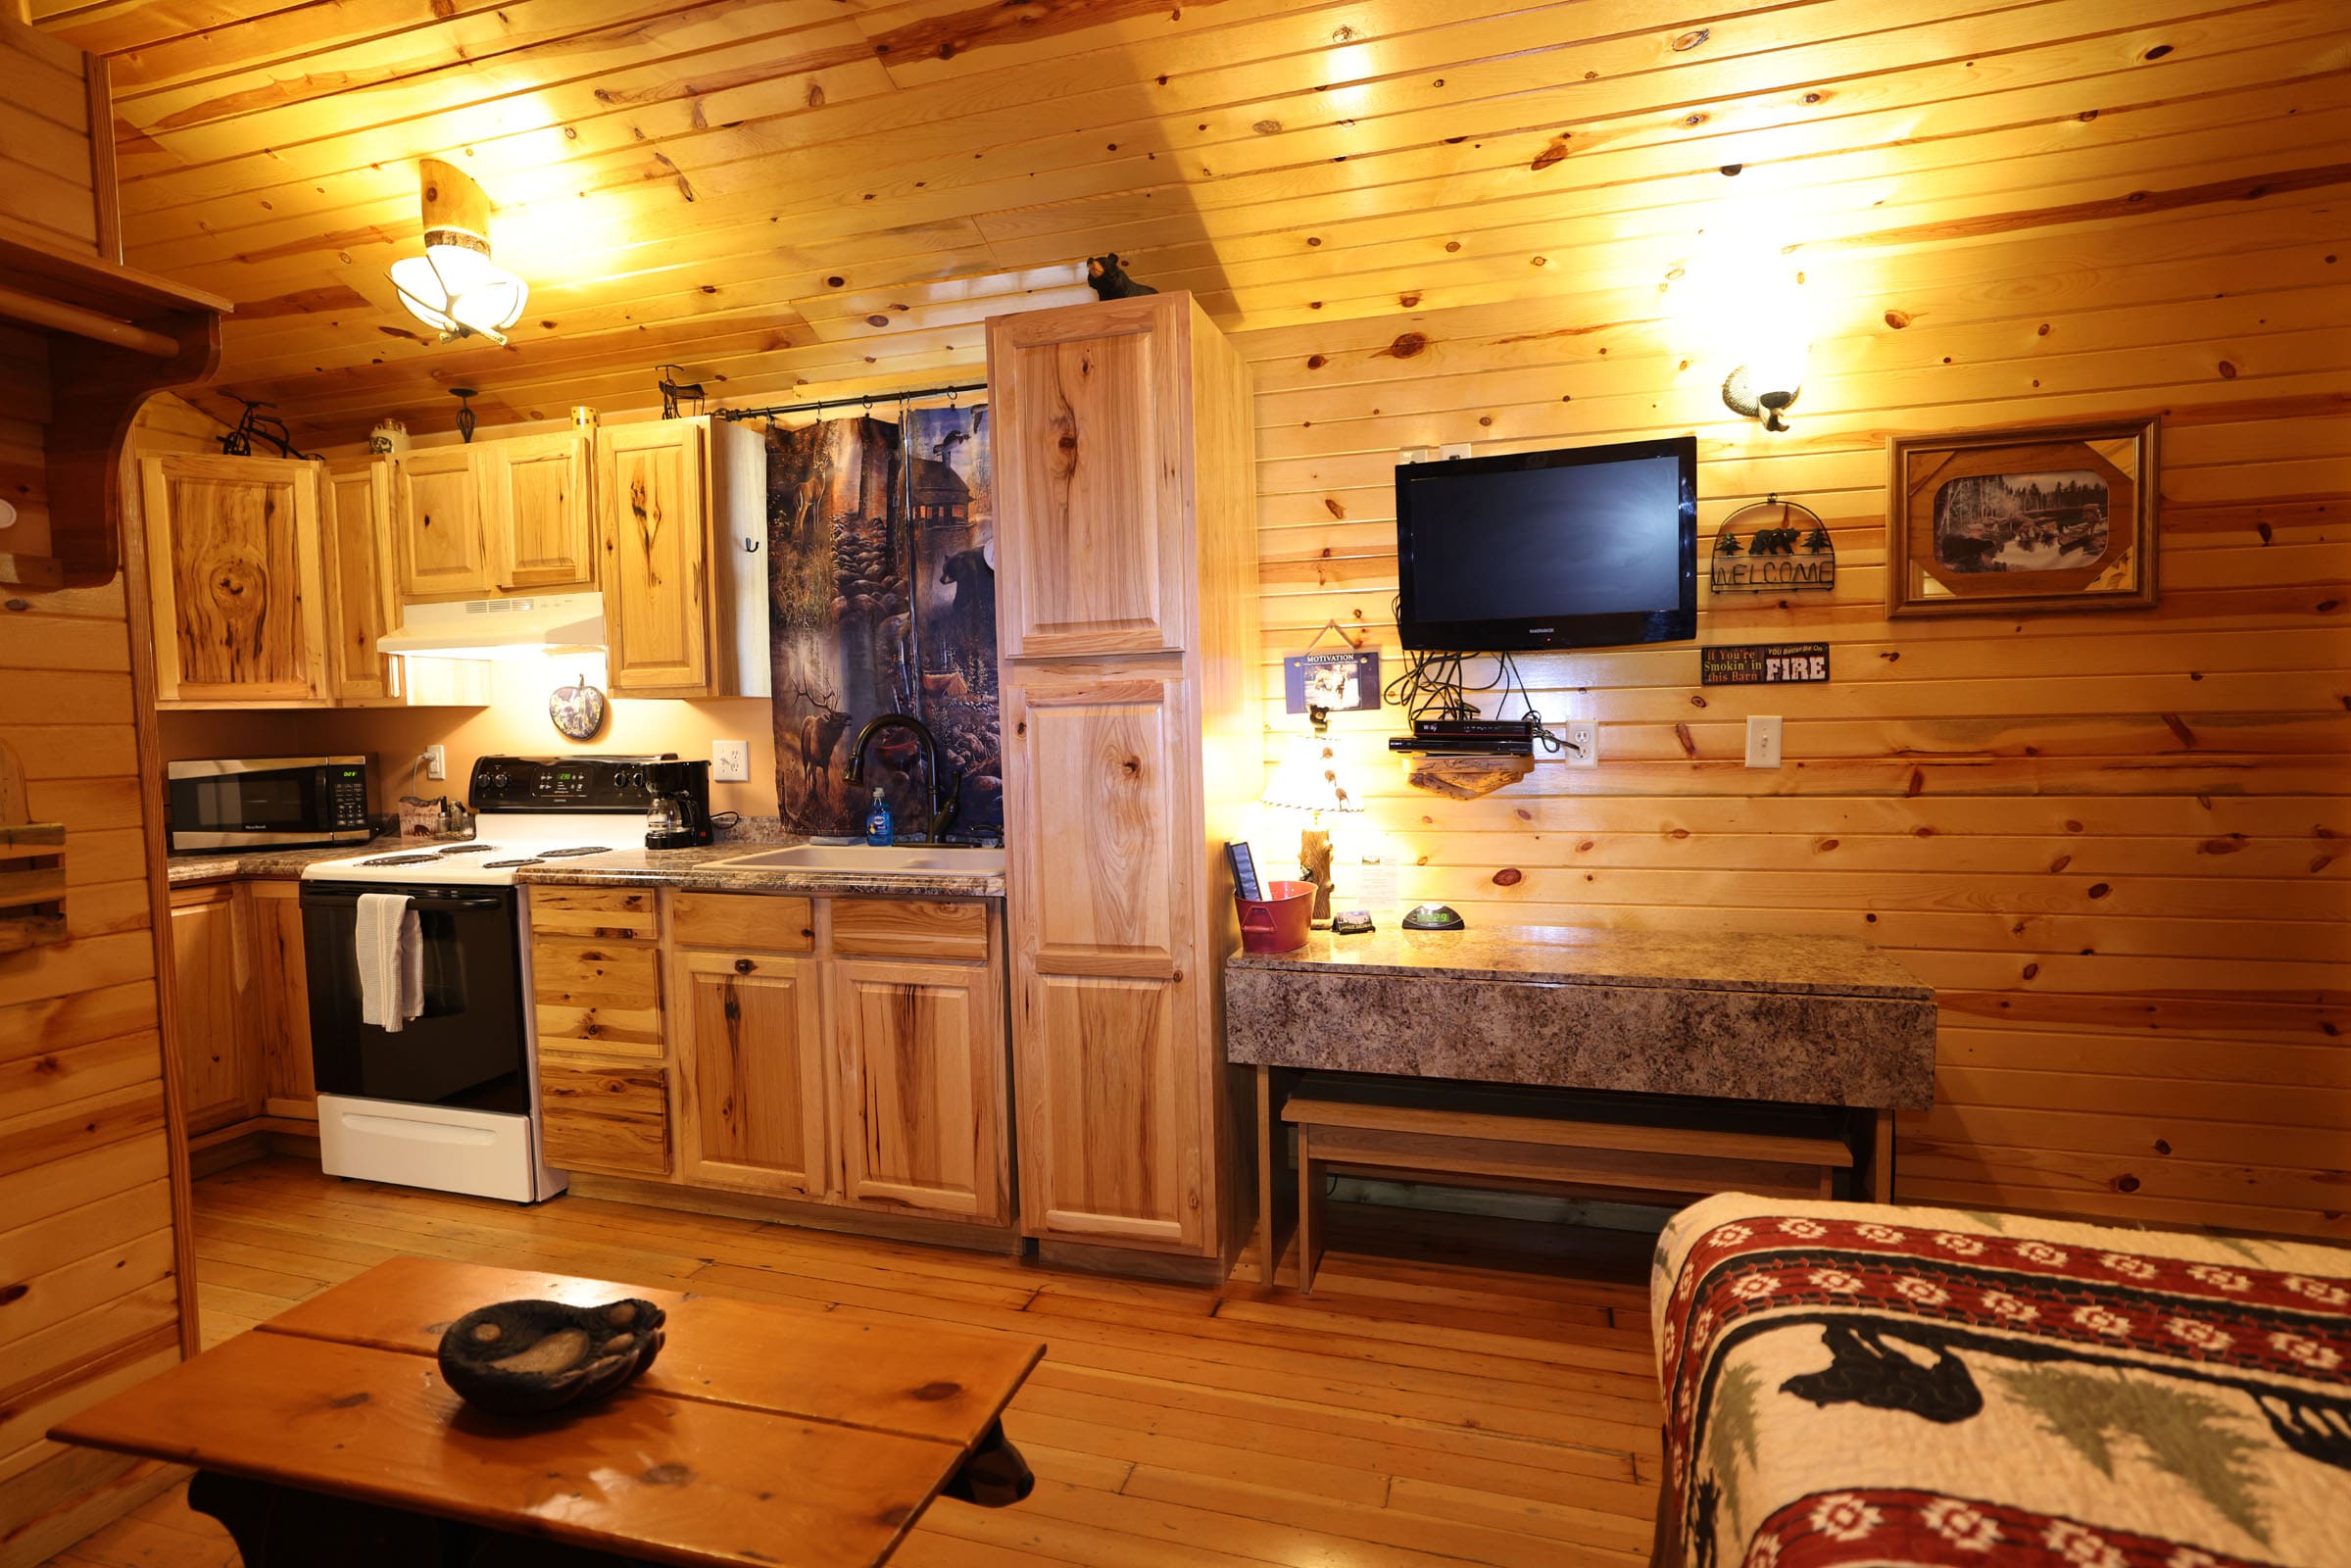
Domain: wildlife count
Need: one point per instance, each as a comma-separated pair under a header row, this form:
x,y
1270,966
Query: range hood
x,y
498,628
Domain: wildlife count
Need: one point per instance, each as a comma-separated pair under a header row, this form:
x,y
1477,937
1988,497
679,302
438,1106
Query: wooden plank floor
x,y
1420,1409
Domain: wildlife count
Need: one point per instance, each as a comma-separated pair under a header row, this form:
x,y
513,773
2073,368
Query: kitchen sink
x,y
868,860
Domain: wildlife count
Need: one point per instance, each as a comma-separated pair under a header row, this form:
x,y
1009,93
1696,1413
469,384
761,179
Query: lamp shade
x,y
1308,780
458,289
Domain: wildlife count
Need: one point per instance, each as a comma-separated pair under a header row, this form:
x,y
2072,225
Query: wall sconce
x,y
1767,385
453,286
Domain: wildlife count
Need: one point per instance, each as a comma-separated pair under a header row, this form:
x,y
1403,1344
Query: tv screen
x,y
1585,547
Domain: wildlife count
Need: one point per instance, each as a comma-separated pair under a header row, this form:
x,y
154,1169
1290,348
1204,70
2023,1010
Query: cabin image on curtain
x,y
882,600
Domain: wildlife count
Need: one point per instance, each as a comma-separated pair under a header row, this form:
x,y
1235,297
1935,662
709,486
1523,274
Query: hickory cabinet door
x,y
1094,477
752,1047
1101,868
359,582
534,492
237,599
921,1112
440,541
657,557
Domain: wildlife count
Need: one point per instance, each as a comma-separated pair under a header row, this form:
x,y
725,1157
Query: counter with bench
x,y
1577,1060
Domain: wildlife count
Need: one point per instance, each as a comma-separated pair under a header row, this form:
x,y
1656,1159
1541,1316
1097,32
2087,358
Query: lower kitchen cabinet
x,y
845,1052
281,994
240,996
922,1087
607,1116
749,1040
1112,1113
602,1026
220,1072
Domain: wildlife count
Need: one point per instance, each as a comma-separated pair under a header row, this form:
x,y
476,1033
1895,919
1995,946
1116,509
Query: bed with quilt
x,y
1863,1383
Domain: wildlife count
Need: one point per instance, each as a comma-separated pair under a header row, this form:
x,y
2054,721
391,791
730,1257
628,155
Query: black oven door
x,y
467,1048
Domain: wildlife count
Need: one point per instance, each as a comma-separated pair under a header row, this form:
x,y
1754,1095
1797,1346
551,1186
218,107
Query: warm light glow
x,y
1309,780
458,289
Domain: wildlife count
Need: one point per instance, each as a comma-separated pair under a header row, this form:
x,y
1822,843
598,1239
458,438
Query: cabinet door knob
x,y
744,967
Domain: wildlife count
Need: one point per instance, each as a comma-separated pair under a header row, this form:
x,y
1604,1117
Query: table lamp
x,y
1308,780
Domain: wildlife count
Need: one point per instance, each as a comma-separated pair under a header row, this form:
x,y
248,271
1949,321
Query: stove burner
x,y
402,860
500,866
468,849
575,849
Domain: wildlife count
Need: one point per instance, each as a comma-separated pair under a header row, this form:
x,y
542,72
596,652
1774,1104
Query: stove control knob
x,y
498,779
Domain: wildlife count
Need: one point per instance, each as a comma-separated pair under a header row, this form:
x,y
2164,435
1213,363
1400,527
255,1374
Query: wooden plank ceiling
x,y
826,195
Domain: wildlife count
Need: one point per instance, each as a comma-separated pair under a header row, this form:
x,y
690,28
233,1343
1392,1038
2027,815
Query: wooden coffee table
x,y
763,1435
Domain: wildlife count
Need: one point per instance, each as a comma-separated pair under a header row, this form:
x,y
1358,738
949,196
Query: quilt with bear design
x,y
1856,1383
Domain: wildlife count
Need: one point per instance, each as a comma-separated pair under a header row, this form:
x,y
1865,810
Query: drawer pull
x,y
744,967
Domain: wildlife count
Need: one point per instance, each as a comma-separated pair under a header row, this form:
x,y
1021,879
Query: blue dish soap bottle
x,y
880,828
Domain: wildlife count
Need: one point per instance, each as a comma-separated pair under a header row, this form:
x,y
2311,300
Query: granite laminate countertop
x,y
264,865
1566,954
698,871
1730,1015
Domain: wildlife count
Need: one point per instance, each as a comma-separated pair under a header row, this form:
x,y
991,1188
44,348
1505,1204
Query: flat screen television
x,y
1583,547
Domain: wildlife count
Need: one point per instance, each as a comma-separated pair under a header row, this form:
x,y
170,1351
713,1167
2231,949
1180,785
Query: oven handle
x,y
322,899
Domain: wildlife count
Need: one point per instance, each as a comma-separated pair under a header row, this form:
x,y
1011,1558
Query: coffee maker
x,y
677,809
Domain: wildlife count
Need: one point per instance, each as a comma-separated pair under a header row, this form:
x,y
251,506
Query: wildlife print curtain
x,y
882,600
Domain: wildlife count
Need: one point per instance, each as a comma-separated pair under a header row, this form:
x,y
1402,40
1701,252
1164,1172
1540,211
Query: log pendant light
x,y
455,286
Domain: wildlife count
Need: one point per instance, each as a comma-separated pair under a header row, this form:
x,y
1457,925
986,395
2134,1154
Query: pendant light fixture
x,y
453,286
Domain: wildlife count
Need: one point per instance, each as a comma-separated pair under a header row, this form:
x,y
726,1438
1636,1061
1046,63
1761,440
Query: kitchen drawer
x,y
607,914
910,928
604,1116
732,920
596,996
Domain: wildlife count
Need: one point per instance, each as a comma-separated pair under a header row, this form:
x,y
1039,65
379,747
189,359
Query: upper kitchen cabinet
x,y
681,513
534,497
494,518
440,539
1093,490
361,607
236,579
657,548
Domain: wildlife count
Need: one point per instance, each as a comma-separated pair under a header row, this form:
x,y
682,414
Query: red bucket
x,y
1278,923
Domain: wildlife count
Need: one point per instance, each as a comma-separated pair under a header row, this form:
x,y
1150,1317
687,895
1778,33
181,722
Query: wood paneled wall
x,y
49,179
2115,843
89,1288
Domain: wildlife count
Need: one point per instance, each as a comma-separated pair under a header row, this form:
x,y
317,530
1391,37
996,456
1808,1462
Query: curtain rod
x,y
733,415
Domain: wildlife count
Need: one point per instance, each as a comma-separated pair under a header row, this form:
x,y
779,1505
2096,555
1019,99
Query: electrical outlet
x,y
1763,740
436,762
1583,743
730,761
1454,449
1405,454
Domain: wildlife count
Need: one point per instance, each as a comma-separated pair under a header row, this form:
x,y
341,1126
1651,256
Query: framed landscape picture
x,y
2006,521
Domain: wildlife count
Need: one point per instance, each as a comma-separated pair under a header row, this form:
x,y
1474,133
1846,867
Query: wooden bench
x,y
1565,1145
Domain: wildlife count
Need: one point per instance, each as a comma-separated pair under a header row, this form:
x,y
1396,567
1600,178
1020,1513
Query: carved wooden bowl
x,y
528,1357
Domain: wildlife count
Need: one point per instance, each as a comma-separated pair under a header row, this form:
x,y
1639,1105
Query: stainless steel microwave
x,y
250,802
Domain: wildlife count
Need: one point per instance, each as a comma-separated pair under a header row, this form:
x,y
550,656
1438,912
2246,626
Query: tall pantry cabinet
x,y
1126,619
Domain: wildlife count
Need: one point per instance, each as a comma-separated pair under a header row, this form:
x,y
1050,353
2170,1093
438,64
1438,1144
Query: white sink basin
x,y
867,859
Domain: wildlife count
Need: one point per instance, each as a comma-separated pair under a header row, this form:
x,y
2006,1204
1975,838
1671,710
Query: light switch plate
x,y
1763,740
730,761
1583,743
1454,449
1416,455
436,762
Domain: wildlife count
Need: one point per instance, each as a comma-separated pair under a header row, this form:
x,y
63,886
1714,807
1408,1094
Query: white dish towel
x,y
390,951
